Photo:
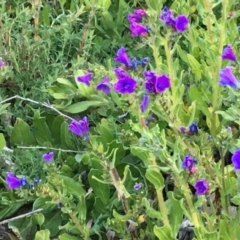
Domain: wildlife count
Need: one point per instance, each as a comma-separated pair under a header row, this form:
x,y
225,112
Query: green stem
x,y
218,66
161,202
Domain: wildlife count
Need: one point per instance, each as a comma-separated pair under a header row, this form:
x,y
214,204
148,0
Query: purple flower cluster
x,y
135,26
48,157
226,75
80,128
180,23
189,163
14,182
155,83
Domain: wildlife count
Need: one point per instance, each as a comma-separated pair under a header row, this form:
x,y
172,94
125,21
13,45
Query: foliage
x,y
126,178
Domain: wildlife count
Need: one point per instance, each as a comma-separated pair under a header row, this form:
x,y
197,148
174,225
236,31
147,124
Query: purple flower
x,y
122,57
2,64
201,187
144,61
13,181
144,103
167,17
120,73
125,85
85,78
137,186
150,77
24,181
181,23
140,12
80,128
236,160
48,157
162,83
104,85
189,162
182,129
193,128
228,53
138,29
227,78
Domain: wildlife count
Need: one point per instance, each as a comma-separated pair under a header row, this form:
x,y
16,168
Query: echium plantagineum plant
x,y
167,150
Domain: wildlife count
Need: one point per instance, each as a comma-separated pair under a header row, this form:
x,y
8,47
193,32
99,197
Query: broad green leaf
x,y
163,233
156,178
21,134
2,141
41,130
66,136
8,210
101,190
236,199
53,220
43,203
142,154
42,235
82,106
72,187
55,128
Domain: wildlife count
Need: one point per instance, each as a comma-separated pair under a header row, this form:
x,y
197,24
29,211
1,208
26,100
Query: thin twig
x,y
38,103
20,216
50,148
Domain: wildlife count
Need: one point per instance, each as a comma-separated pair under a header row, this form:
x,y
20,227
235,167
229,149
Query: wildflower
x,y
24,181
144,61
137,15
48,157
144,103
193,128
125,85
182,129
85,78
104,85
201,187
2,64
13,181
123,58
167,17
193,170
120,73
227,78
135,63
188,162
162,83
181,23
137,186
138,29
236,160
80,128
228,53
150,77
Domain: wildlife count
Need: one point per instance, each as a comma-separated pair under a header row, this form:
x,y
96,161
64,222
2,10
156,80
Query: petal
x,y
162,83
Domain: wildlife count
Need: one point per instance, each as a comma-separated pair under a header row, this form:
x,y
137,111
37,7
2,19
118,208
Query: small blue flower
x,y
125,85
193,128
137,186
201,187
24,181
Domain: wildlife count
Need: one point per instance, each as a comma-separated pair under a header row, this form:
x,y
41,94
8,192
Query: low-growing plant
x,y
143,147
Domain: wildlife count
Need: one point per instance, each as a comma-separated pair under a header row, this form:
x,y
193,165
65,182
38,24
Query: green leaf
x,y
66,136
21,134
196,95
8,210
65,236
195,65
55,128
155,177
176,213
82,208
101,190
2,141
163,233
236,199
38,218
53,219
72,187
43,203
42,235
41,130
141,153
82,106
